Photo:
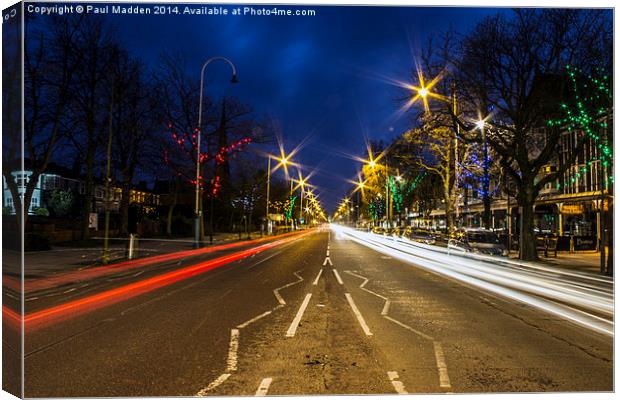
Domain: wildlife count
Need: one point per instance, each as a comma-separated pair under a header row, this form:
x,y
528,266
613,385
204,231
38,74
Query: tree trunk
x,y
527,239
88,191
17,200
486,216
447,195
29,190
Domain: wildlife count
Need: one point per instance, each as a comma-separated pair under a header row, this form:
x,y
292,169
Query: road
x,y
312,314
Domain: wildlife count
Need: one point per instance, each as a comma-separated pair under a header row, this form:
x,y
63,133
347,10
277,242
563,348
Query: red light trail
x,y
96,272
77,307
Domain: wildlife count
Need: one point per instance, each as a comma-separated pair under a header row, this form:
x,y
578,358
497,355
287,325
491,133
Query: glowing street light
x,y
284,161
301,184
422,91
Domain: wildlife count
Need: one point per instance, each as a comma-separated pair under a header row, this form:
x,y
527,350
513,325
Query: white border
x,y
457,3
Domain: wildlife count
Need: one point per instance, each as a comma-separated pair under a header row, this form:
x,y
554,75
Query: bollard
x,y
133,244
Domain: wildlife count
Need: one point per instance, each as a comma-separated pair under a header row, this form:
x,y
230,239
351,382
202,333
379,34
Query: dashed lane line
x,y
398,385
444,380
440,361
276,292
397,322
386,305
221,379
263,388
316,280
293,327
337,275
358,315
265,259
233,348
248,322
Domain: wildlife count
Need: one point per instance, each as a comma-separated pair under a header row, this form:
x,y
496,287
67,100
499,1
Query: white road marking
x,y
398,385
442,368
221,379
264,259
276,292
293,328
397,322
337,275
444,379
263,388
327,260
358,315
316,280
327,252
248,322
233,347
386,307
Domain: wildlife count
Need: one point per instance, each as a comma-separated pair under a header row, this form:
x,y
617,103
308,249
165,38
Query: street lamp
x,y
301,184
359,186
198,211
424,91
284,162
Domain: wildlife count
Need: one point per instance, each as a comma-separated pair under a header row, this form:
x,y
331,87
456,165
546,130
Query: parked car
x,y
399,230
421,235
389,231
378,230
480,241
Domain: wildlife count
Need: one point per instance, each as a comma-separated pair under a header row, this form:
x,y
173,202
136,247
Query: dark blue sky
x,y
318,77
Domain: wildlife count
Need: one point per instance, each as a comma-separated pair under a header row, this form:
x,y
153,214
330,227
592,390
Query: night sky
x,y
319,78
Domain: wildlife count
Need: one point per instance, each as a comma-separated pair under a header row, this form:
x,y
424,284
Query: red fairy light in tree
x,y
187,144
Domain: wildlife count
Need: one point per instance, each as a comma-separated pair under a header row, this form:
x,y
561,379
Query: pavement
x,y
580,261
316,313
61,259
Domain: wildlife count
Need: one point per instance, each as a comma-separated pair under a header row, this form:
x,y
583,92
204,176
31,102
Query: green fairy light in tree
x,y
589,109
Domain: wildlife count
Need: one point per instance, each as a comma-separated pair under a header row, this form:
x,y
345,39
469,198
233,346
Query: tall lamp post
x,y
283,161
423,92
301,184
197,210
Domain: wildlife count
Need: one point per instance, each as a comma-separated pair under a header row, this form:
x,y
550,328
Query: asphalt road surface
x,y
316,314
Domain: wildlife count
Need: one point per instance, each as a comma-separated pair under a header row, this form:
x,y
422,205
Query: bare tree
x,y
228,127
134,127
87,113
432,148
49,66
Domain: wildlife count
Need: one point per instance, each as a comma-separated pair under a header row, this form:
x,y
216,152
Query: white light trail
x,y
582,298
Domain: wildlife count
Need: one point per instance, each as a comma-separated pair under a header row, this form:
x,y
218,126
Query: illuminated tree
x,y
432,149
511,68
